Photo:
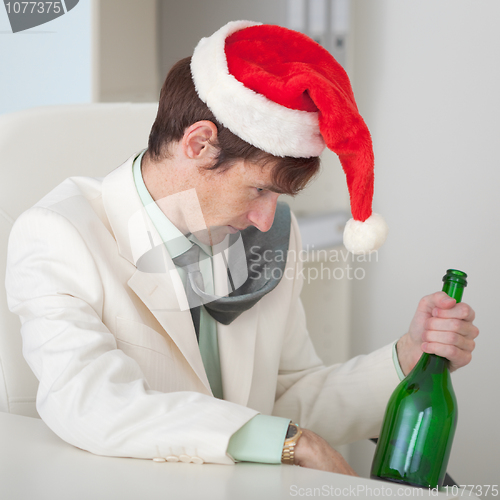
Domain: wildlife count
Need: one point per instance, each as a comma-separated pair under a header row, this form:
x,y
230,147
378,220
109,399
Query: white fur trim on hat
x,y
251,116
364,237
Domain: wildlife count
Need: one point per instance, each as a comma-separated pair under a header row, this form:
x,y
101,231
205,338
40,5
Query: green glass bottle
x,y
421,416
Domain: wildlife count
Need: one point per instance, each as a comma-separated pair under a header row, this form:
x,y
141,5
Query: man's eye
x,y
259,190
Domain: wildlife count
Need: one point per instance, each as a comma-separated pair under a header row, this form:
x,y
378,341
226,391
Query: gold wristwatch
x,y
292,436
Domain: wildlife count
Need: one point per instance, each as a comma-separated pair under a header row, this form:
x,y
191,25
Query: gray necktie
x,y
195,287
264,272
266,255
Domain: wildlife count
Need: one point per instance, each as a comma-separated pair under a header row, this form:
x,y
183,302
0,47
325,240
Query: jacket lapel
x,y
156,281
160,297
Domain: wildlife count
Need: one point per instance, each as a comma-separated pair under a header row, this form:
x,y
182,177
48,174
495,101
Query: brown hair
x,y
180,107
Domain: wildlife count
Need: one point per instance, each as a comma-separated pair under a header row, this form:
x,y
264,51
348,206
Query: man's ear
x,y
198,140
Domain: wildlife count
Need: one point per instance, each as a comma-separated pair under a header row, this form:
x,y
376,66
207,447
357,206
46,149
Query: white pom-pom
x,y
365,237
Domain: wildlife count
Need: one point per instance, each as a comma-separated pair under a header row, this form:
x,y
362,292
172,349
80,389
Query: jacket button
x,y
172,458
185,458
196,460
159,459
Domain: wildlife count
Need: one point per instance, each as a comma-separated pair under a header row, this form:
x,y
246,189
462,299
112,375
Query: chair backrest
x,y
39,148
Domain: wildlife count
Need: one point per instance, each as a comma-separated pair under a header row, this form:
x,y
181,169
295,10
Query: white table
x,y
36,465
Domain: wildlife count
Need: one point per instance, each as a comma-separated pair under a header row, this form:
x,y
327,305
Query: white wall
x,y
125,58
47,64
185,23
427,80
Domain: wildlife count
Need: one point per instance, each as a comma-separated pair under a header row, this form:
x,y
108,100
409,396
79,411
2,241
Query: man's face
x,y
237,198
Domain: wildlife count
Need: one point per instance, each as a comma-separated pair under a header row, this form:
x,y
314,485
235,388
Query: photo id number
x,y
34,7
477,490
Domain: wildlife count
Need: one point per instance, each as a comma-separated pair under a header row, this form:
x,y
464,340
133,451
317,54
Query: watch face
x,y
292,430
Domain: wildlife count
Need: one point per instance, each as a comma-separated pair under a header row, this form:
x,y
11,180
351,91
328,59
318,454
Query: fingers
x,y
459,311
456,320
436,300
440,326
443,339
457,357
436,325
314,452
452,330
450,333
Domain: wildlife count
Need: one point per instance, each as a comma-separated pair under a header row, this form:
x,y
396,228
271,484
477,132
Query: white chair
x,y
39,148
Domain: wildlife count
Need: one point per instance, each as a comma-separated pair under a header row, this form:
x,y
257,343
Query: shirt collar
x,y
175,242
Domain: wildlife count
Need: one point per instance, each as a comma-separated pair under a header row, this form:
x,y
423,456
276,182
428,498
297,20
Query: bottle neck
x,y
454,282
432,363
454,290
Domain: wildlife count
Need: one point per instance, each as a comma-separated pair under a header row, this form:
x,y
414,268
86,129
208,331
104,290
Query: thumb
x,y
444,301
438,300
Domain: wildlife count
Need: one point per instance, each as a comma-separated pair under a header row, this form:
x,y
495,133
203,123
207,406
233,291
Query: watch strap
x,y
288,454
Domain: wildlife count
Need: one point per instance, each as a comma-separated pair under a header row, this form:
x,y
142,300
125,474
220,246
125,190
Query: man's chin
x,y
219,233
215,235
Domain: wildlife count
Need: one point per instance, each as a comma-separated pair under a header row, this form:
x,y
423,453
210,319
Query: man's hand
x,y
440,326
314,452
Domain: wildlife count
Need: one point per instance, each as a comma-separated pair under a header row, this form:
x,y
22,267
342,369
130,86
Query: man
x,y
150,333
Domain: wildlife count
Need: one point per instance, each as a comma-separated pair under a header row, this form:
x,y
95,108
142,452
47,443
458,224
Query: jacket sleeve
x,y
343,402
90,393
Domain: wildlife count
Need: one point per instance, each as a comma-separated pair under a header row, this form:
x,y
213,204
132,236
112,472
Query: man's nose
x,y
262,216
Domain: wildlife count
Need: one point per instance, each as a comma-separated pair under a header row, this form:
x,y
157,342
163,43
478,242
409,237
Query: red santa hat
x,y
280,91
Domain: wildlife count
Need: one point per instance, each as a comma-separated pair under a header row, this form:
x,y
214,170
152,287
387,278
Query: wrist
x,y
408,353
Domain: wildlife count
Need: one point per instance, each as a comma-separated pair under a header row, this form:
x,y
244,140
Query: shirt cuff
x,y
395,359
259,440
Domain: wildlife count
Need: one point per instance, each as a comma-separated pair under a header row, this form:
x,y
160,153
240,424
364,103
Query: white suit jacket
x,y
119,367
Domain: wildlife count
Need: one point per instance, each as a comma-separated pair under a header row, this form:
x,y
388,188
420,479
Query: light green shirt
x,y
261,438
395,360
176,244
